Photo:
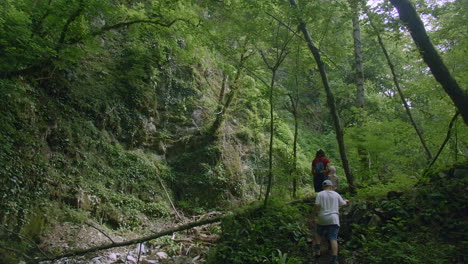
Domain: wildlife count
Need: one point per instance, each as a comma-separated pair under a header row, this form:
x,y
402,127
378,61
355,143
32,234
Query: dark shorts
x,y
328,231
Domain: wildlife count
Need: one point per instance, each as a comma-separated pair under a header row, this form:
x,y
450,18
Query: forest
x,y
183,131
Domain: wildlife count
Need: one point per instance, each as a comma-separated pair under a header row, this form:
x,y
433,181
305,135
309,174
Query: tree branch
x,y
169,198
140,21
102,232
135,241
397,86
449,131
40,65
256,76
410,17
286,26
68,23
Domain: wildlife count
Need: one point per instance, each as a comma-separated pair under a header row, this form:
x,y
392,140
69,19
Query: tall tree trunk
x,y
360,97
293,110
330,100
296,129
280,55
427,50
294,106
400,92
270,152
359,78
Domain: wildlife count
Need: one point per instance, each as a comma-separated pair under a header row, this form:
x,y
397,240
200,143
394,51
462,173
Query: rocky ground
x,y
184,247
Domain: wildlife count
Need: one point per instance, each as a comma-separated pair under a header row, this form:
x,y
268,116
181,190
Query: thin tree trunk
x,y
221,111
296,127
270,153
360,97
330,100
294,102
400,92
169,198
428,52
295,106
449,131
359,78
280,55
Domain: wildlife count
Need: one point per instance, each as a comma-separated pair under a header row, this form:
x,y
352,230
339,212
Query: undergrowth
x,y
422,224
276,234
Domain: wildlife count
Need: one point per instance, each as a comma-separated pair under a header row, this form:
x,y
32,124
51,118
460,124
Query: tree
x,y
294,100
360,94
50,34
399,90
277,55
330,98
224,104
428,52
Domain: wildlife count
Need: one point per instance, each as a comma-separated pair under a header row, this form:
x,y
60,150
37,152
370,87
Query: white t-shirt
x,y
330,202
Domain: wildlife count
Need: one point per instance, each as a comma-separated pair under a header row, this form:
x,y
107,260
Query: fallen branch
x,y
170,200
102,232
135,241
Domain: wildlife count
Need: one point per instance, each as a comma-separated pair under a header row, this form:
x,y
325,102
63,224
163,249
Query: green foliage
x,y
22,168
198,170
93,103
259,234
394,243
430,215
379,189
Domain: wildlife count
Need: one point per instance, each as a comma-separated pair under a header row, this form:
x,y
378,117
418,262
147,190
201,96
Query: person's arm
x,y
343,202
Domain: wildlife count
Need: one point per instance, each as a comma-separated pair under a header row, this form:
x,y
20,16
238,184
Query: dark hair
x,y
320,153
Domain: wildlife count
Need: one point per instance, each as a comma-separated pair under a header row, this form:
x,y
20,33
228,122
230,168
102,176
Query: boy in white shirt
x,y
327,205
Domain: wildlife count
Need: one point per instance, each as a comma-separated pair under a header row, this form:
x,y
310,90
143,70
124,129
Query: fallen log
x,y
133,241
214,218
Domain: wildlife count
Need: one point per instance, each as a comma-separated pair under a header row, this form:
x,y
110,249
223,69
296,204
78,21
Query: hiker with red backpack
x,y
320,167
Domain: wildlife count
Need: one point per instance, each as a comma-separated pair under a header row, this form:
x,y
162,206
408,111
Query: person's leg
x,y
334,247
317,240
333,237
317,184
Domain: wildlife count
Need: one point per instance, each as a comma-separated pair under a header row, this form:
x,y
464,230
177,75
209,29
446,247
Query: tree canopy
x,y
223,102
